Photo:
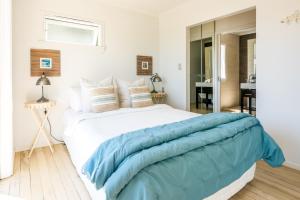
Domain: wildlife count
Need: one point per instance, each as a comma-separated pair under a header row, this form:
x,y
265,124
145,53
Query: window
x,y
73,31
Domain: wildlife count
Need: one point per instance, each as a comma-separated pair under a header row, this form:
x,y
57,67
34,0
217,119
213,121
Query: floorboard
x,y
53,177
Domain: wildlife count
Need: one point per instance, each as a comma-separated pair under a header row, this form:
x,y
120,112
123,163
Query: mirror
x,y
251,49
247,58
207,61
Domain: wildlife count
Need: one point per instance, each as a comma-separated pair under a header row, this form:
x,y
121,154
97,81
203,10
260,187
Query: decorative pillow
x,y
103,99
123,91
75,99
88,93
140,96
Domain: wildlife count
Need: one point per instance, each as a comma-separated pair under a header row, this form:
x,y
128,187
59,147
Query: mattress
x,y
82,139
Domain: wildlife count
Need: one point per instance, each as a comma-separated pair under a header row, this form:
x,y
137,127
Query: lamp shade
x,y
43,80
155,78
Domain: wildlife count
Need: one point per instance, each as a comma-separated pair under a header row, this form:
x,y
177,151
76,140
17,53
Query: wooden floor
x,y
47,176
201,109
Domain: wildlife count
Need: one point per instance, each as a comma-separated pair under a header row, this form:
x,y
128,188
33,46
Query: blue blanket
x,y
191,159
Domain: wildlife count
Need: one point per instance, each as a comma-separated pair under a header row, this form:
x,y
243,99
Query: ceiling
x,y
152,7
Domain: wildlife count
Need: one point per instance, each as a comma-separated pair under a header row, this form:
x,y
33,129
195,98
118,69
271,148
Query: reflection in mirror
x,y
201,77
207,61
247,58
251,67
248,73
201,63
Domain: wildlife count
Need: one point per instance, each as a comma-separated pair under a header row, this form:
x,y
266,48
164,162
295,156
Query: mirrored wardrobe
x,y
201,68
222,65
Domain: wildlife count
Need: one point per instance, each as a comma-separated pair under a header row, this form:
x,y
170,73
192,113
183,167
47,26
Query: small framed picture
x,y
46,63
145,65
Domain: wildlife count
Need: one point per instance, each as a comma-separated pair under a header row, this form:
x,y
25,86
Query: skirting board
x,y
292,165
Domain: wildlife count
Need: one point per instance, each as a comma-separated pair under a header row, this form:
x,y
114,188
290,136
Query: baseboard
x,y
292,165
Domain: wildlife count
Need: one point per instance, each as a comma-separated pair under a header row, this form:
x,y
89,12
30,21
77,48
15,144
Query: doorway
x,y
222,65
238,72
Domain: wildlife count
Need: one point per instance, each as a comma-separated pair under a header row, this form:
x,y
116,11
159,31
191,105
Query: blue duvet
x,y
186,160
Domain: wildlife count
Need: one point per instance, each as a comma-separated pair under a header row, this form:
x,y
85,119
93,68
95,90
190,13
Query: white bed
x,y
82,139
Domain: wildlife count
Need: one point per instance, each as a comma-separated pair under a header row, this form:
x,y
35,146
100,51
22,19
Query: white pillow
x,y
123,90
86,84
75,99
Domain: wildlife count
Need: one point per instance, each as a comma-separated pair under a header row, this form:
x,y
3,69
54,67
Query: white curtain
x,y
6,130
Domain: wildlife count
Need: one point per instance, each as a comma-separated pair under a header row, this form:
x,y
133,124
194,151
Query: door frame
x,y
216,73
216,69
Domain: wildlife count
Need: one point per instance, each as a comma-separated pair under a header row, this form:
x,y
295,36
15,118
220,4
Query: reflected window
x,y
251,54
223,62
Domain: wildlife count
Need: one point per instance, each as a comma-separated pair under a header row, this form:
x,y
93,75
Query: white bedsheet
x,y
82,139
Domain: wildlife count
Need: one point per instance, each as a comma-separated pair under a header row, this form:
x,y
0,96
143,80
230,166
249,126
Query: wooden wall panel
x,y
36,54
140,70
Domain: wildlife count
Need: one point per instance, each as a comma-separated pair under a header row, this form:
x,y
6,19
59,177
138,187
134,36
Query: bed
x,y
86,131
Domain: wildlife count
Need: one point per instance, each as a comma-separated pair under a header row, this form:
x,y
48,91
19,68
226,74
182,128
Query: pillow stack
x,y
108,95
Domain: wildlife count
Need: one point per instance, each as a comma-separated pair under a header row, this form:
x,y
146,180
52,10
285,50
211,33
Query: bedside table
x,y
35,107
159,98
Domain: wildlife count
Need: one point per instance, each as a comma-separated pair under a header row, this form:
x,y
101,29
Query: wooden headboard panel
x,y
38,54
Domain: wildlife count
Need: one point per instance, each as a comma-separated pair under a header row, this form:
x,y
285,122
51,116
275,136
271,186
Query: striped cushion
x,y
123,90
87,85
103,99
140,96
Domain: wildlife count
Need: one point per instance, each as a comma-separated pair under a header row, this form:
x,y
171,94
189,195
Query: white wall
x,y
127,34
278,69
6,99
278,47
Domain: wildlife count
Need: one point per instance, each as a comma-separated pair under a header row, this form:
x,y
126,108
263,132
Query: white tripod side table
x,y
40,120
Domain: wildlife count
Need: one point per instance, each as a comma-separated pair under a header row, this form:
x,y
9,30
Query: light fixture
x,y
155,79
295,17
43,80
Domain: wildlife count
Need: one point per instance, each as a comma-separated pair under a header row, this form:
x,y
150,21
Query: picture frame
x,y
144,65
46,63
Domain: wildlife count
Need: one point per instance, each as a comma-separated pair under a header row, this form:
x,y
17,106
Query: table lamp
x,y
154,79
43,80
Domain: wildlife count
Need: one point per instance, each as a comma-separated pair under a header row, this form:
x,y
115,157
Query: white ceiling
x,y
152,7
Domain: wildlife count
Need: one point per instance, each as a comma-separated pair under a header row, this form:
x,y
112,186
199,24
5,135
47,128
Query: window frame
x,y
98,40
